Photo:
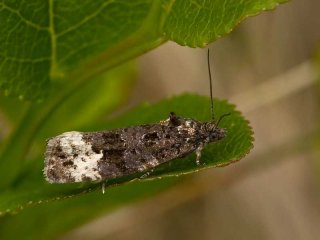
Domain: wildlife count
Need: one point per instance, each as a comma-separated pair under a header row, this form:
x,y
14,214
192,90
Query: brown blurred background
x,y
264,67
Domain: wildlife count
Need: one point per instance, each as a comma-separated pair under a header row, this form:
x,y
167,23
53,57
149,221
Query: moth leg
x,y
103,187
146,174
198,154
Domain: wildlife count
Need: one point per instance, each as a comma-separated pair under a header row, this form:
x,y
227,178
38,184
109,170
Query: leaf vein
x,y
33,60
17,13
86,19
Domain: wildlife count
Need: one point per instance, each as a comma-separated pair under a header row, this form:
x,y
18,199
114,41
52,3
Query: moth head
x,y
216,133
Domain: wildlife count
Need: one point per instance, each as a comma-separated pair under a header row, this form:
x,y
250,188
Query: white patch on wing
x,y
142,168
85,161
154,162
187,127
165,122
188,123
191,131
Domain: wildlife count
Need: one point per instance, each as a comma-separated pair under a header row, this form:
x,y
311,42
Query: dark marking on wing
x,y
113,154
67,163
151,136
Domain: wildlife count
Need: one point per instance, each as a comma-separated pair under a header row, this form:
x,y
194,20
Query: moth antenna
x,y
210,81
221,117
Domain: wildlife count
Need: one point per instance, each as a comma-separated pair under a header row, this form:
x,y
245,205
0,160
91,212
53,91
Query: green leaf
x,y
196,23
32,187
75,40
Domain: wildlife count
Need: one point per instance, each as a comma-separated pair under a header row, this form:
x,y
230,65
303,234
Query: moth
x,y
98,156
